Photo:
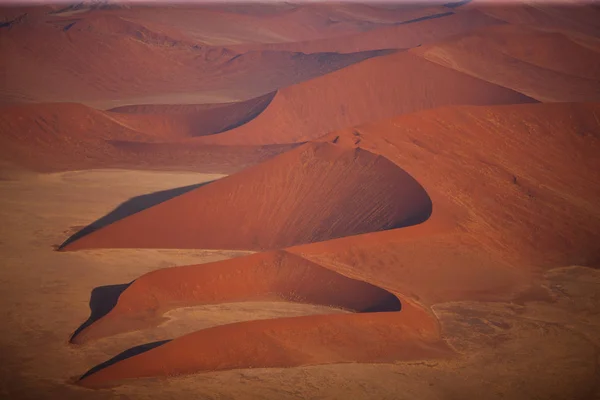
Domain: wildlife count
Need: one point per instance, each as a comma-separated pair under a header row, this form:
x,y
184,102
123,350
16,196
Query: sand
x,y
501,342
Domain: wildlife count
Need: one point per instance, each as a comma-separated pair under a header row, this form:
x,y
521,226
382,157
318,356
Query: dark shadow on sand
x,y
102,300
130,207
134,351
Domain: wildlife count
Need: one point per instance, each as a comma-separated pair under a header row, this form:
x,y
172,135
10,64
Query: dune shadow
x,y
102,300
134,351
130,207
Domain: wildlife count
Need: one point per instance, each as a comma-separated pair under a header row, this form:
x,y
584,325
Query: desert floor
x,y
46,295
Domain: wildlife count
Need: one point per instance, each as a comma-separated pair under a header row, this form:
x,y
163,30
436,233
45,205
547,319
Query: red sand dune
x,y
284,342
582,18
547,66
55,137
217,26
273,276
378,88
56,60
487,195
395,36
189,120
313,193
518,188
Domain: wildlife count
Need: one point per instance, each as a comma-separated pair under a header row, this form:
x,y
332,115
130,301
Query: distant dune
x,y
313,193
408,34
379,88
548,66
55,60
55,137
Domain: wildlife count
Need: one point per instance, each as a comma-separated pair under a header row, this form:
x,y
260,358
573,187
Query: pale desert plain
x,y
300,200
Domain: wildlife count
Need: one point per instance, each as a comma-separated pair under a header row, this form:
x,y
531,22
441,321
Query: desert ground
x,y
300,201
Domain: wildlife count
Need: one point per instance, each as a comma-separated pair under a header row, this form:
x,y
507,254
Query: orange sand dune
x,y
313,193
189,120
56,60
284,342
494,208
55,137
488,188
216,25
547,66
375,89
520,180
283,277
395,36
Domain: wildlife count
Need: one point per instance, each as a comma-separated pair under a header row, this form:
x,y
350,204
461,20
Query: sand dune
x,y
404,35
547,66
54,137
380,88
53,60
537,208
563,18
220,25
316,192
493,210
306,210
275,276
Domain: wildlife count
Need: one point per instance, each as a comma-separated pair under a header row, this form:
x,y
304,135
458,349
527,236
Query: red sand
x,y
57,60
495,206
375,89
547,66
273,276
403,36
284,342
313,193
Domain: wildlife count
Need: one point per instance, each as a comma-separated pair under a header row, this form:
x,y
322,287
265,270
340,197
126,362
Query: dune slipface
x,y
313,193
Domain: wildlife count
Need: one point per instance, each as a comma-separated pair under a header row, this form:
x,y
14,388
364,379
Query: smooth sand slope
x,y
55,137
379,88
493,211
50,60
313,193
548,66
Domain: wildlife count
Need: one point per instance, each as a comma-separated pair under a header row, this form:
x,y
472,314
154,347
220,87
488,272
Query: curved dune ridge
x,y
316,192
381,88
272,276
547,66
51,137
364,337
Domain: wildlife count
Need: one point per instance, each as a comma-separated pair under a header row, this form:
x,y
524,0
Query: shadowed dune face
x,y
274,276
313,193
